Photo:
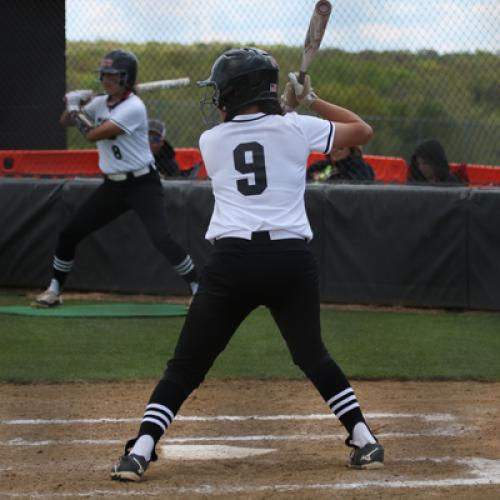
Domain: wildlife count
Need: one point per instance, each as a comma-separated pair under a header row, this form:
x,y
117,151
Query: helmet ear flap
x,y
123,78
216,96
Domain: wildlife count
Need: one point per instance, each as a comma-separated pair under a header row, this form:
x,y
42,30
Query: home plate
x,y
209,452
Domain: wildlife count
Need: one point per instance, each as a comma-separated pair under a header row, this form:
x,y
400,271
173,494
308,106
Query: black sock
x,y
335,389
163,405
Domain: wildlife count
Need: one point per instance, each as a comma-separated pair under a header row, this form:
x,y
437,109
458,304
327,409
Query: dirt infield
x,y
177,299
441,440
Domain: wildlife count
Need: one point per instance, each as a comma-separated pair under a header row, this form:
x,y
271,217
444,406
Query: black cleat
x,y
371,456
129,468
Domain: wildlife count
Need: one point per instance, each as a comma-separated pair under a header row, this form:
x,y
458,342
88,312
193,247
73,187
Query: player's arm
x,y
350,129
129,117
107,130
74,115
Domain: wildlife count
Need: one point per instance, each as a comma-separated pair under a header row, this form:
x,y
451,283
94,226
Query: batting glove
x,y
288,99
303,91
73,99
82,121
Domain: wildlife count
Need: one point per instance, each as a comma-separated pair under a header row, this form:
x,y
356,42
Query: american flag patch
x,y
106,63
273,87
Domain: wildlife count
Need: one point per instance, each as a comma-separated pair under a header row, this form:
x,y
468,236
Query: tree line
x,y
407,97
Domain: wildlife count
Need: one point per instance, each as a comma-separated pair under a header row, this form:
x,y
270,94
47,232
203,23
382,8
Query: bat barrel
x,y
324,8
314,35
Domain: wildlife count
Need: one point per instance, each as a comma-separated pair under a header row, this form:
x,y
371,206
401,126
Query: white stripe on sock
x,y
159,423
343,402
165,409
162,416
185,267
64,266
345,410
339,395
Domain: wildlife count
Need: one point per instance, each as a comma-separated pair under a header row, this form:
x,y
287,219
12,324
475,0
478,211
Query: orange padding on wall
x,y
49,163
83,162
386,168
73,162
481,174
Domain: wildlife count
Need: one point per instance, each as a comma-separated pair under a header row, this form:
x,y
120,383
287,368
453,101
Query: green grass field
x,y
367,344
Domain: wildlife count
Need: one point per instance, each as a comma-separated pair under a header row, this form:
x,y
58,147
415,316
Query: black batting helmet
x,y
243,76
120,62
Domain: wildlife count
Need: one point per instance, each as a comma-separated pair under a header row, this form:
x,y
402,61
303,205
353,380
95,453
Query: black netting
x,y
413,70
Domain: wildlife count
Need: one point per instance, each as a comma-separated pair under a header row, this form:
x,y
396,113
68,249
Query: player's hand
x,y
82,122
75,98
288,99
304,92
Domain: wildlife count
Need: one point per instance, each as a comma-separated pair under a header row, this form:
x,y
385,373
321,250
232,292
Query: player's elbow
x,y
357,133
365,133
92,135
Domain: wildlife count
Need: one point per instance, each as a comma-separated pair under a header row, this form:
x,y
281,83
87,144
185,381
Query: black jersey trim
x,y
248,119
329,137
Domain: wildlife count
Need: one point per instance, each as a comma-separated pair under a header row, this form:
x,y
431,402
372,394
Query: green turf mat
x,y
99,310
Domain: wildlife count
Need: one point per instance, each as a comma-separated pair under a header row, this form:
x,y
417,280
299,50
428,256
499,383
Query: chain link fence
x,y
413,70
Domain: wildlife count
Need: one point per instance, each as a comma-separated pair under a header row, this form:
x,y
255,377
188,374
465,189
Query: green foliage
x,y
368,345
406,96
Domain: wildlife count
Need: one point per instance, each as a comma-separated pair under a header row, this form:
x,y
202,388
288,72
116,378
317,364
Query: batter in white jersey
x,y
129,150
259,185
256,160
117,122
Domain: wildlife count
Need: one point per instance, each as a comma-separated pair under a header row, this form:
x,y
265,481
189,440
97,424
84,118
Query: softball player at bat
x,y
117,122
256,160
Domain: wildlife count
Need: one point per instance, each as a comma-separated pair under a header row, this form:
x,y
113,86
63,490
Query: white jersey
x,y
129,151
257,164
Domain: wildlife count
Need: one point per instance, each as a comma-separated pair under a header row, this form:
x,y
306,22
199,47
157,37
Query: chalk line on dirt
x,y
487,472
429,417
259,437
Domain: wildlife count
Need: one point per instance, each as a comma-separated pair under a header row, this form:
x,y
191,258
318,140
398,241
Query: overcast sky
x,y
441,25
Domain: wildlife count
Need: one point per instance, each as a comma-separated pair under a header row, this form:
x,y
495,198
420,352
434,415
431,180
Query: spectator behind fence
x,y
342,164
162,150
164,154
429,164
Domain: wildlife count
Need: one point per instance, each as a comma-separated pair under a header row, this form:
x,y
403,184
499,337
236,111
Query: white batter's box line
x,y
484,472
239,438
207,490
429,417
194,452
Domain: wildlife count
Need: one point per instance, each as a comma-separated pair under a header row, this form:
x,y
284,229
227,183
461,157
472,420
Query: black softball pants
x,y
240,276
143,195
